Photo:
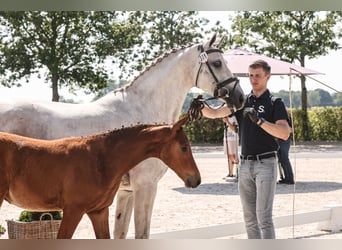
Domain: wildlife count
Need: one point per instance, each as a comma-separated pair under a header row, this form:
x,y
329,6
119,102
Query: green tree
x,y
319,97
70,47
337,99
164,30
290,36
222,31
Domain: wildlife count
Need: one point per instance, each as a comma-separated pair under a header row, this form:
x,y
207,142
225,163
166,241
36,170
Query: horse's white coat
x,y
155,96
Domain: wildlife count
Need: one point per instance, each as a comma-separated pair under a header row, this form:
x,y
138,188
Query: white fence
x,y
329,219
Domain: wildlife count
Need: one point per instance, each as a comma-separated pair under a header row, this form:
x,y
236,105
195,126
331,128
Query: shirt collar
x,y
265,95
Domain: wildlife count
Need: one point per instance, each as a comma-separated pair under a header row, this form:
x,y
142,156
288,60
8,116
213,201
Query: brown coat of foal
x,y
82,174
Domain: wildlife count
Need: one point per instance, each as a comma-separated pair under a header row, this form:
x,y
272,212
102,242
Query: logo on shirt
x,y
261,109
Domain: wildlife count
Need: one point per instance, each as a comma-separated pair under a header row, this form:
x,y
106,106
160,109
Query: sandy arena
x,y
216,202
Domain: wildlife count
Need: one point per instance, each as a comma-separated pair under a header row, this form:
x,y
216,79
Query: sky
x,y
328,65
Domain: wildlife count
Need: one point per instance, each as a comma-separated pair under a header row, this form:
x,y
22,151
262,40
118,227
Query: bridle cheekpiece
x,y
203,59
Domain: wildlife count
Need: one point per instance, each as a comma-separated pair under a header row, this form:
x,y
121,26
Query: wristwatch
x,y
261,121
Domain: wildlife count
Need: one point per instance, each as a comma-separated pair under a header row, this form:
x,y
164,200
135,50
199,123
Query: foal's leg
x,y
70,220
3,186
99,219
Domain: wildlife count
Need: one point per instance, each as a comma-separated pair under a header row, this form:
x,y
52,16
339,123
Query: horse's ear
x,y
177,126
211,42
222,40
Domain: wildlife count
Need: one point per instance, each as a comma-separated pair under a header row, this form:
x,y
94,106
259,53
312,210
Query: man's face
x,y
258,78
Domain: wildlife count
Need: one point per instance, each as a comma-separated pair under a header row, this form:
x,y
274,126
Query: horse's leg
x,y
70,220
143,201
144,181
124,207
99,219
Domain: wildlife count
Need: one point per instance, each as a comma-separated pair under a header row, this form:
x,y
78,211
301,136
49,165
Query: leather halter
x,y
204,59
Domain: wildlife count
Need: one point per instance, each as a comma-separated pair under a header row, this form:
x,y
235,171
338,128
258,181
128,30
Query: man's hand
x,y
195,109
197,103
252,114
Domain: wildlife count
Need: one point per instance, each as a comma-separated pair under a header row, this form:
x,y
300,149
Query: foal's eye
x,y
184,149
217,63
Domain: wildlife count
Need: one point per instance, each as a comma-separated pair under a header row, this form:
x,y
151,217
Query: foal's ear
x,y
178,125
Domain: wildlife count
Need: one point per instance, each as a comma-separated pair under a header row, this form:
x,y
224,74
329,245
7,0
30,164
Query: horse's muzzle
x,y
230,91
192,181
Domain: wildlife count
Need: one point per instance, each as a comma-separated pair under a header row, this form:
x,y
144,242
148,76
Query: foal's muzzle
x,y
192,182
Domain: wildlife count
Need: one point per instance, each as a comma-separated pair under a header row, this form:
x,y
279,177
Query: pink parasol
x,y
239,59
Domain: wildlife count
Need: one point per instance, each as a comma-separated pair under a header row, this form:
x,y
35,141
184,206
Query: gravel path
x,y
318,171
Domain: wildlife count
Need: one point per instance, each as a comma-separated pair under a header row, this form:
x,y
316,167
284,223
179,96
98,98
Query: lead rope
x,y
295,158
196,105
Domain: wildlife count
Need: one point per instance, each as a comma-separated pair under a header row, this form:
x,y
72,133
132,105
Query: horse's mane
x,y
153,64
132,127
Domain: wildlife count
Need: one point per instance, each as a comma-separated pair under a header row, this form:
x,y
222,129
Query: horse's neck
x,y
128,147
160,90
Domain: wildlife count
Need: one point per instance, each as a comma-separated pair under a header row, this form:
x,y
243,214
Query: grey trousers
x,y
257,184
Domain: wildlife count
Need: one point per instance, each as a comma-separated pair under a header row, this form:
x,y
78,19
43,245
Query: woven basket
x,y
42,229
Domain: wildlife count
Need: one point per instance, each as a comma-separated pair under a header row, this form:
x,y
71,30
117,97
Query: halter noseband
x,y
219,85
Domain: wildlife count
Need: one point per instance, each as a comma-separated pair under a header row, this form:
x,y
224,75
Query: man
x,y
284,161
260,122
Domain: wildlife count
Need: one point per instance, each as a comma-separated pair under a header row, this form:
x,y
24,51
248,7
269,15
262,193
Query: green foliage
x,y
325,123
69,46
316,98
28,216
164,30
319,97
2,230
73,48
288,35
205,130
337,99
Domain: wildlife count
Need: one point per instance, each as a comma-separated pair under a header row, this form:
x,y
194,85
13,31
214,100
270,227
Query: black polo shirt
x,y
255,140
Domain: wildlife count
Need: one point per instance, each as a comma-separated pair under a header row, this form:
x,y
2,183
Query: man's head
x,y
261,64
259,74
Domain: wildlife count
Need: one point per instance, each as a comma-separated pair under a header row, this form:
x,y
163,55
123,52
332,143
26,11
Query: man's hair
x,y
261,64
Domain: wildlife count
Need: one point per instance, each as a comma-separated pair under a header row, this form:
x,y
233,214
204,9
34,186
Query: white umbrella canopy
x,y
238,61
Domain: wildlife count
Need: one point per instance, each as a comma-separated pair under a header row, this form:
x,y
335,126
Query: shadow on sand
x,y
230,188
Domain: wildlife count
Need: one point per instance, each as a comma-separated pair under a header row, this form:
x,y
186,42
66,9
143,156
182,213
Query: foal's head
x,y
176,153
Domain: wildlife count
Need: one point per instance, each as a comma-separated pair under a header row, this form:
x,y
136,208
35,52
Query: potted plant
x,y
2,230
28,216
35,225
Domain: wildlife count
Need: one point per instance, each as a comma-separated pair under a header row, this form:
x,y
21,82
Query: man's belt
x,y
259,156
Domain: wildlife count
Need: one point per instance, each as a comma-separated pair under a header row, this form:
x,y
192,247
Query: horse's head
x,y
177,154
214,71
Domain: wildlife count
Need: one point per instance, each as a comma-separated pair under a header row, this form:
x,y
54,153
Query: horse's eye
x,y
184,149
217,63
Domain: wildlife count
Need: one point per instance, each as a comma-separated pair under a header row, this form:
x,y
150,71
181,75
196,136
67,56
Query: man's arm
x,y
213,113
279,129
